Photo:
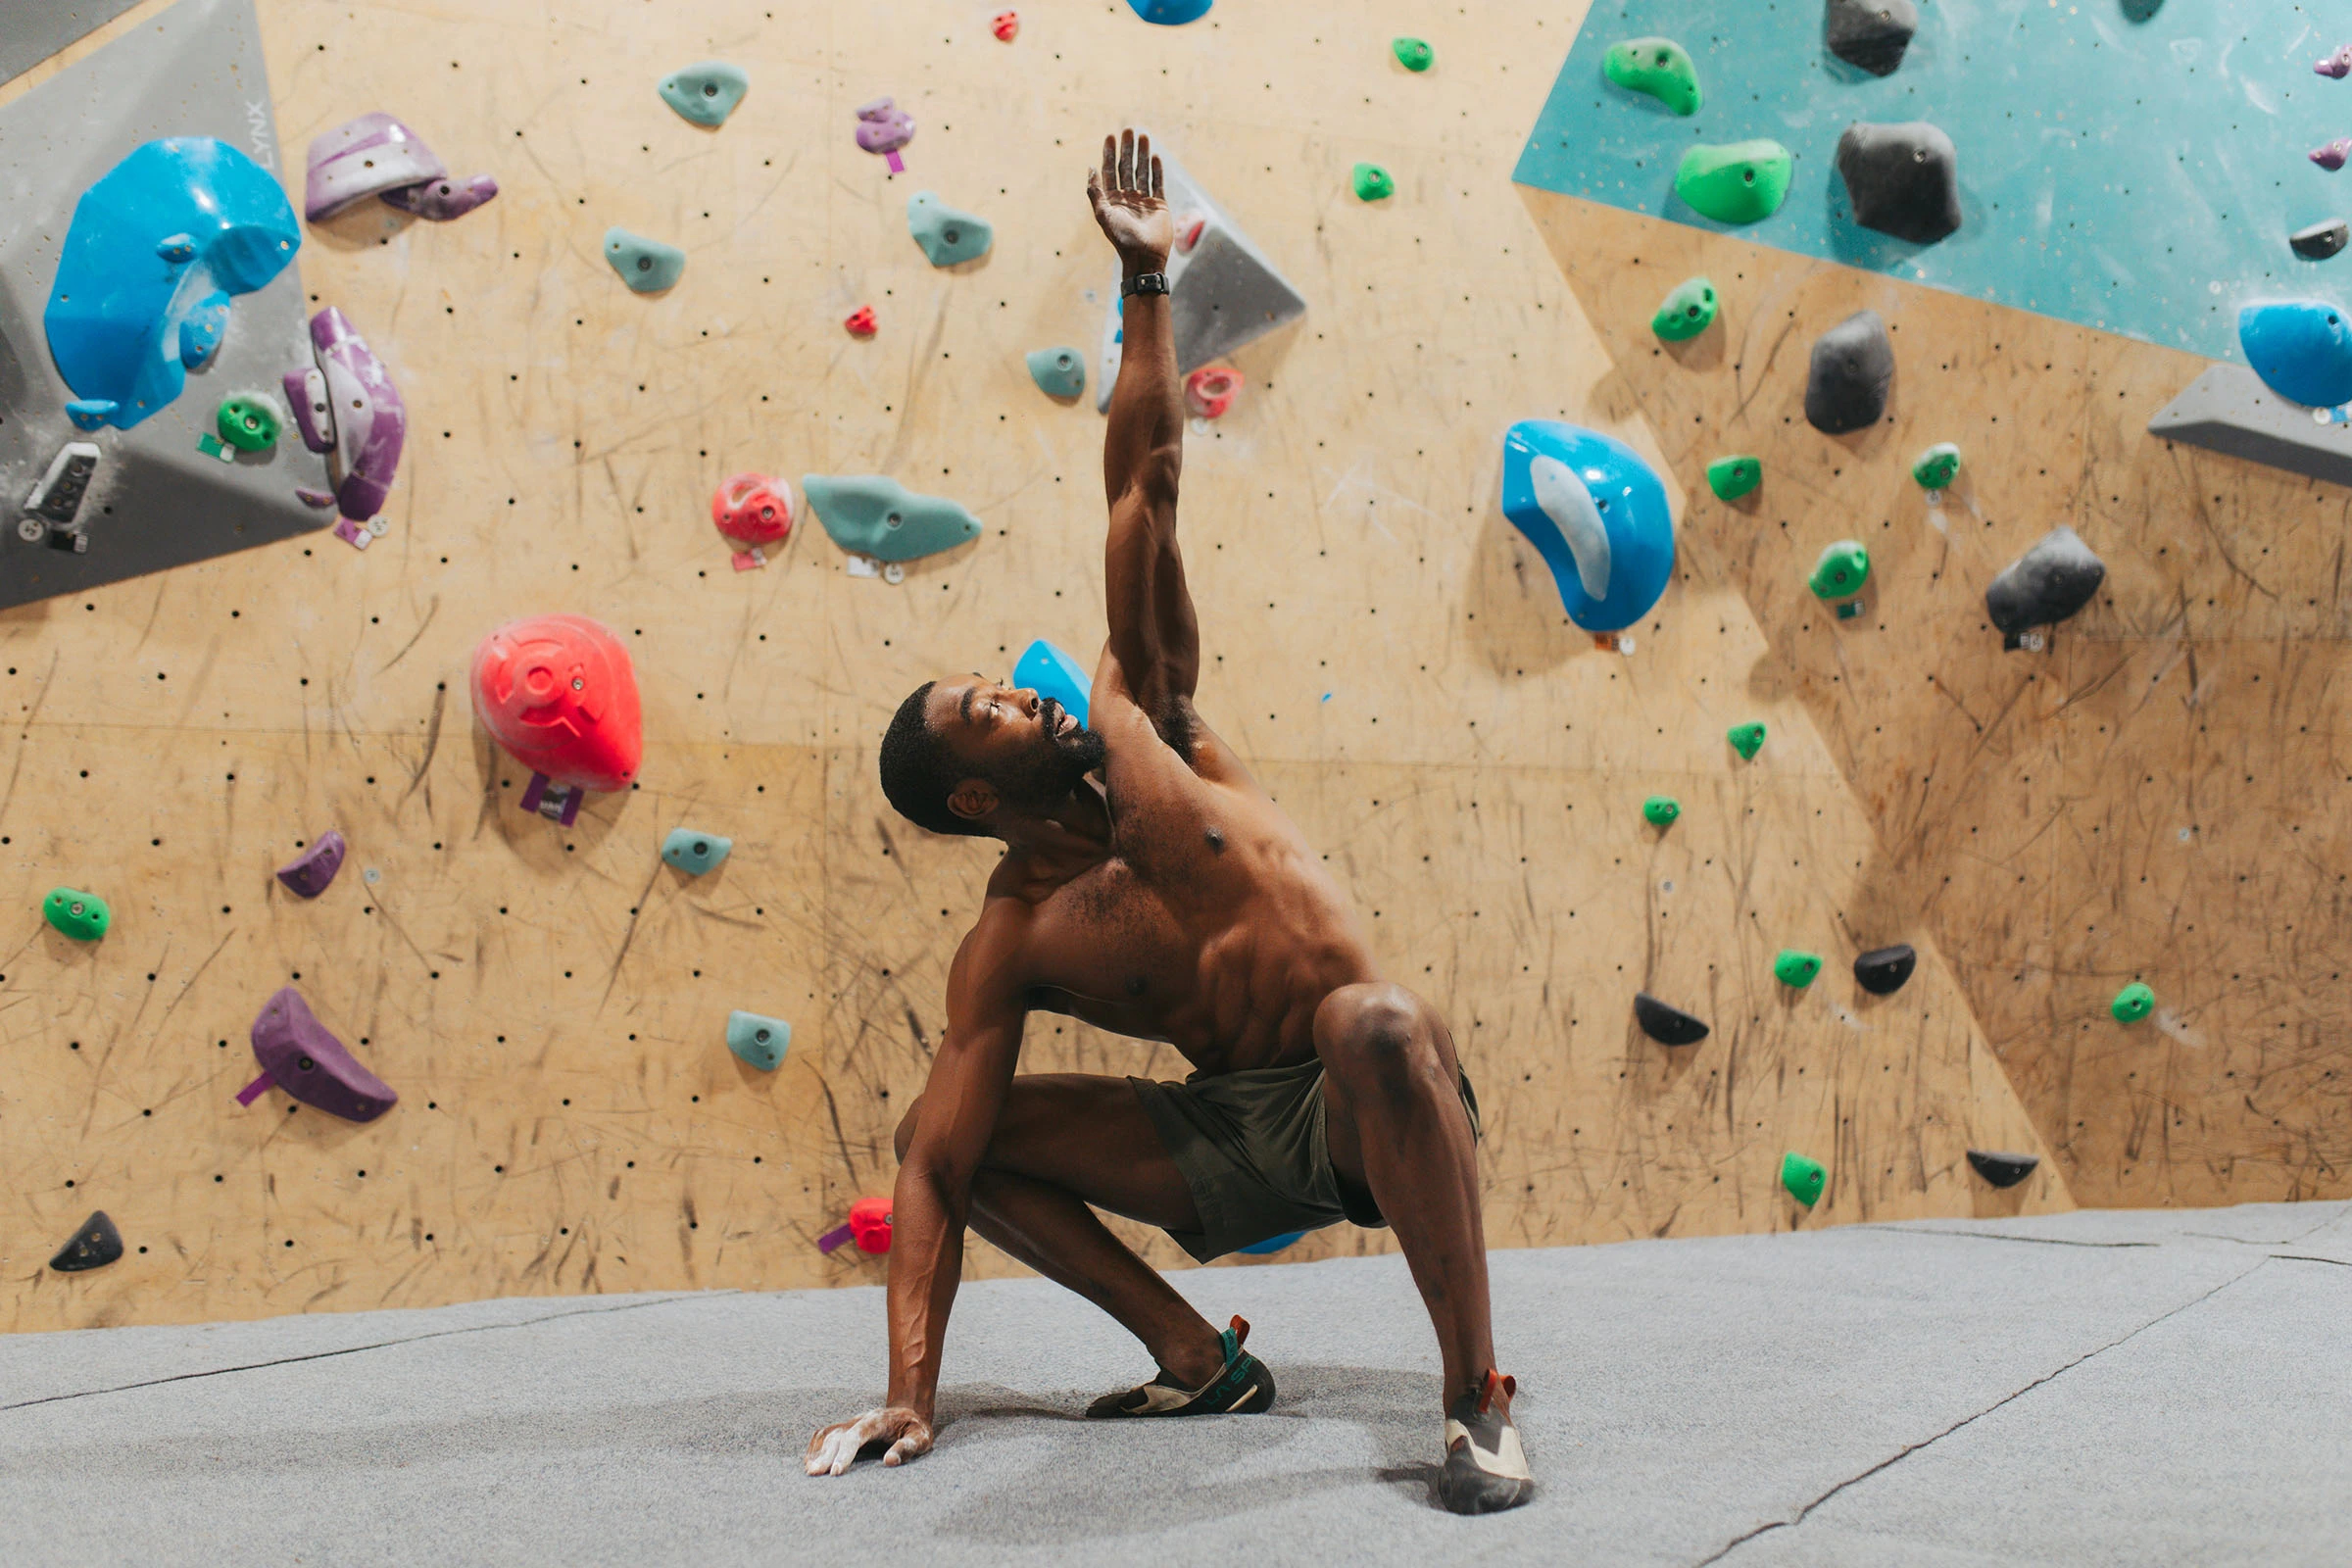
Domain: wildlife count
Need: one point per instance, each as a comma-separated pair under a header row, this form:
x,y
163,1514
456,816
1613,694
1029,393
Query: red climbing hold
x,y
1210,390
1007,25
1189,231
860,322
558,692
870,1224
754,510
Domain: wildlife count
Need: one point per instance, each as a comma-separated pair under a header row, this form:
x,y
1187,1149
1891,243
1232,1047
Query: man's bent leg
x,y
1065,1142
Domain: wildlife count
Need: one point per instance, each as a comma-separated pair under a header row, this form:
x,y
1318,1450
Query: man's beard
x,y
1042,778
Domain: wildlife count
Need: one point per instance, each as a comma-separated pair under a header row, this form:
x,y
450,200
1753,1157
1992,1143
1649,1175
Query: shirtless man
x,y
1150,887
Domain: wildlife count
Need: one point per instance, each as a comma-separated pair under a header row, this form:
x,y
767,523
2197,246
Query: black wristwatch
x,y
1144,283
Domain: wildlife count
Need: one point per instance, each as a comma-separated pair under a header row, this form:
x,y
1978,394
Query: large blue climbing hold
x,y
1049,672
1598,515
2302,349
1171,12
156,249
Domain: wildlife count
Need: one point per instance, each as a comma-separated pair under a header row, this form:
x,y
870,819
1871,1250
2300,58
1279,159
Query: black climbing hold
x,y
2002,1170
95,1246
1902,179
1869,35
2043,586
1853,368
1882,971
2320,240
1668,1026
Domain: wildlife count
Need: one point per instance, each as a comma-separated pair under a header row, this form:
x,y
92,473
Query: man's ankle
x,y
1195,1358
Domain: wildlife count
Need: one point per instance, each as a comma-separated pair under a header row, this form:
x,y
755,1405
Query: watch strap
x,y
1144,283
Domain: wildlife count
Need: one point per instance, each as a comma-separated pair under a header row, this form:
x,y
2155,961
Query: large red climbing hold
x,y
558,692
753,511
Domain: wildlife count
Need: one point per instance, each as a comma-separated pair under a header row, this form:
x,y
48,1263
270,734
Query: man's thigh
x,y
1090,1137
1385,1044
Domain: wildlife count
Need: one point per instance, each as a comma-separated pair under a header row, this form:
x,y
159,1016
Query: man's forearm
x,y
926,1264
1146,405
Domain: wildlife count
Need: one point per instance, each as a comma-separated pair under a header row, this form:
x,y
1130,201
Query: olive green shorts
x,y
1253,1150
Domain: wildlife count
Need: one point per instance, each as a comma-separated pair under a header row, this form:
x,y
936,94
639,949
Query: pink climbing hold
x,y
2331,157
1007,25
2337,65
754,510
1210,390
884,127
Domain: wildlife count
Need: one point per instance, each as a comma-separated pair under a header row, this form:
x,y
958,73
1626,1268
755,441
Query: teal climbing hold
x,y
758,1039
1171,12
695,852
870,515
645,265
1747,738
948,236
1686,311
1057,372
2133,1003
1661,810
1804,1178
707,91
1049,672
1795,970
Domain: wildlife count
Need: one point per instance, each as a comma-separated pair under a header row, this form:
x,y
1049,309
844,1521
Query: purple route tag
x,y
256,1090
898,165
832,1238
531,795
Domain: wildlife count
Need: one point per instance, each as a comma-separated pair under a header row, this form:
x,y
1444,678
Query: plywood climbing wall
x,y
1383,650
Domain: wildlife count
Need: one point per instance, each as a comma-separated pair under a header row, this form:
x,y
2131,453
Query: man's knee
x,y
907,1124
1378,1036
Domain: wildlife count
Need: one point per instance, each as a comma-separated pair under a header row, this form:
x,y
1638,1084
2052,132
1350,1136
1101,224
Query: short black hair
x,y
919,772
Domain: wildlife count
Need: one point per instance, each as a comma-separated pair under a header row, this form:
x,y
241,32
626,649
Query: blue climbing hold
x,y
1272,1244
647,266
868,515
946,235
1057,372
1598,515
2302,349
706,92
1171,12
1049,672
155,248
758,1040
695,852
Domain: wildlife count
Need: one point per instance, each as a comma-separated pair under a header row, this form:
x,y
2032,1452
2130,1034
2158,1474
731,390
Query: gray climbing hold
x,y
1882,971
95,1246
948,236
707,91
1667,1025
1869,35
2320,240
758,1039
1902,179
695,852
2001,1169
647,266
2227,410
1057,372
1568,502
2043,586
1853,369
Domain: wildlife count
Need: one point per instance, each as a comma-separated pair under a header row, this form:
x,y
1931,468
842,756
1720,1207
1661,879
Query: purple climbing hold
x,y
884,127
441,200
2337,65
297,1055
2331,157
367,421
363,158
311,873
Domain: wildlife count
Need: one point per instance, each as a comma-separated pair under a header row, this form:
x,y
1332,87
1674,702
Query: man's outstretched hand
x,y
1130,198
834,1449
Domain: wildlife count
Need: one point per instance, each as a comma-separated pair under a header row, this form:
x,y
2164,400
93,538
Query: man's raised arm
x,y
1155,638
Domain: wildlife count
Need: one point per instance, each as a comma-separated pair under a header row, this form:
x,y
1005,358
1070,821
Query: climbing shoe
x,y
1486,1469
1242,1387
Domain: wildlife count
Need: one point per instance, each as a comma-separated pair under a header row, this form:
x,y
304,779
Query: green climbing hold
x,y
1737,184
1688,311
1804,1178
1057,372
647,266
695,852
1841,570
870,515
707,91
84,916
947,236
759,1041
2131,1004
250,421
1795,970
1413,54
1661,810
1938,466
1733,478
1658,67
1372,183
1747,738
